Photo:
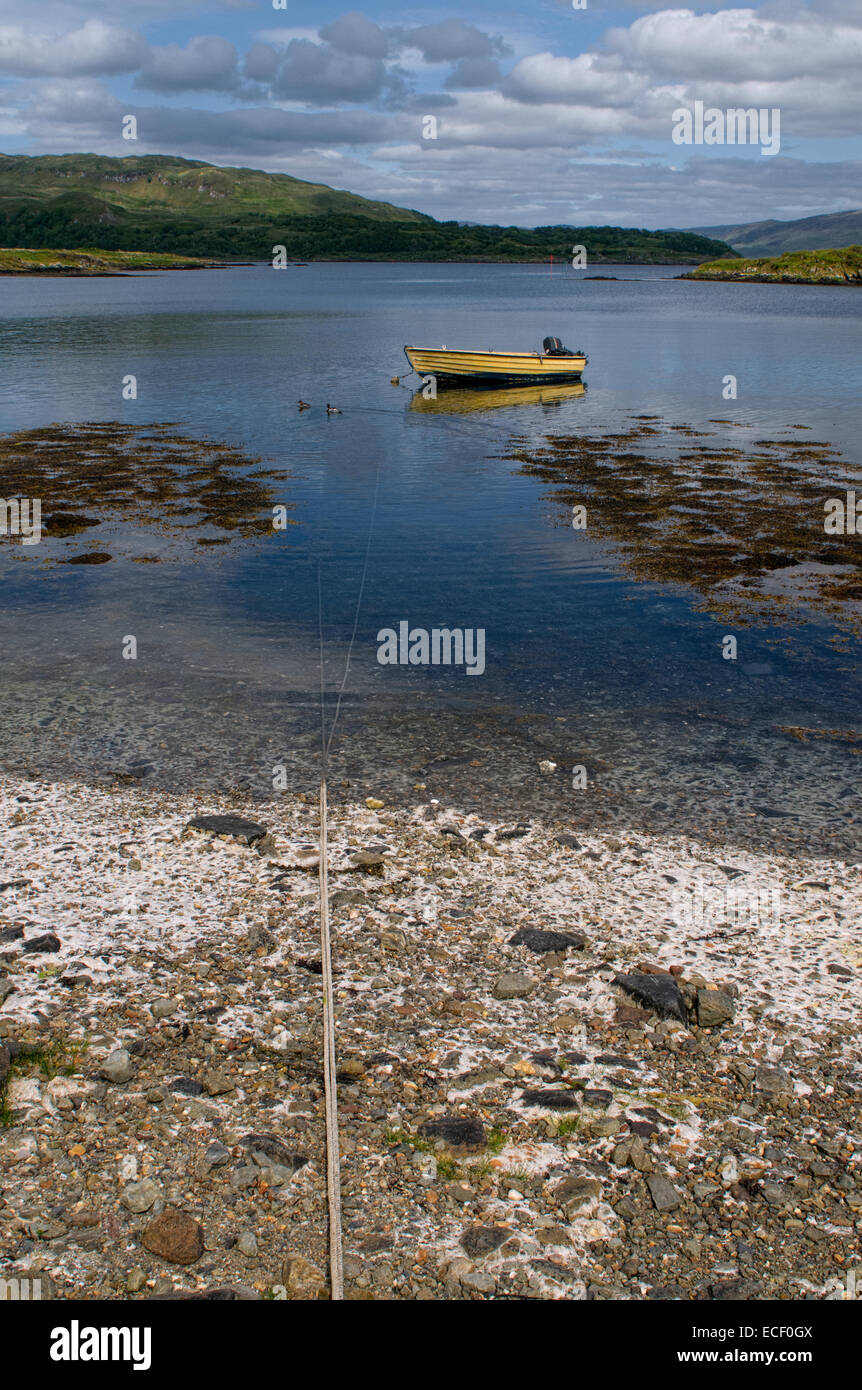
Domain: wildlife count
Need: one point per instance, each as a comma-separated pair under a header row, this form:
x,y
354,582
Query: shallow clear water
x,y
584,666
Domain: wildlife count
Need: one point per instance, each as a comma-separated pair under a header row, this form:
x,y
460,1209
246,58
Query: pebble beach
x,y
602,1065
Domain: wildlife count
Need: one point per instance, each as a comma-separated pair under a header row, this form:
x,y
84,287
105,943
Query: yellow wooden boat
x,y
452,366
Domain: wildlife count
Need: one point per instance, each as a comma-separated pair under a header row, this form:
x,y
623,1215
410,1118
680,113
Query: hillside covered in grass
x,y
162,203
18,260
841,266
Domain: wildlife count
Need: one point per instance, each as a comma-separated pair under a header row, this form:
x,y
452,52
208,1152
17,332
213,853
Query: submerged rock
x,y
236,827
658,992
175,1236
513,985
541,941
458,1131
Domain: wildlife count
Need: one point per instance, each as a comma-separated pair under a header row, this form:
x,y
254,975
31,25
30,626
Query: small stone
x,y
773,1081
393,940
714,1007
664,1195
216,1083
175,1236
216,1155
39,945
478,1281
513,985
140,1196
243,1177
483,1240
186,1086
302,1279
163,1008
552,1099
373,803
135,1280
247,1244
543,941
574,1193
260,939
117,1067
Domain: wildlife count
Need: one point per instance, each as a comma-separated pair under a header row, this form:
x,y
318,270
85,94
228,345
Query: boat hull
x,y
451,368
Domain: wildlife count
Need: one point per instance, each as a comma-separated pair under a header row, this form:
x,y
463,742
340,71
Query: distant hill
x,y
160,203
835,266
833,229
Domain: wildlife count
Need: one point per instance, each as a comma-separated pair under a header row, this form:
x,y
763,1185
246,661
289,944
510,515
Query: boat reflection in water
x,y
464,401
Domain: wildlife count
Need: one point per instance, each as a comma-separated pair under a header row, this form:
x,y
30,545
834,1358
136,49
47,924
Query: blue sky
x,y
545,113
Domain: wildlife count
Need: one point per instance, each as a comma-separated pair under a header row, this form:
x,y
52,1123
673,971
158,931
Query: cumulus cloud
x,y
355,33
316,72
94,49
735,45
473,72
207,63
451,39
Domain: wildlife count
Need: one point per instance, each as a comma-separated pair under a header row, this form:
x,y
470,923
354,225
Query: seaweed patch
x,y
742,526
105,487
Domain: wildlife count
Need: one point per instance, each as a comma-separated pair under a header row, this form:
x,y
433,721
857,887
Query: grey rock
x,y
574,1193
216,1083
269,1151
543,941
773,1081
483,1240
163,1008
714,1007
664,1195
140,1196
216,1155
117,1067
513,985
247,1244
244,1177
478,1281
260,939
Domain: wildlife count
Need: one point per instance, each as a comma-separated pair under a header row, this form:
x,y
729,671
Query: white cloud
x,y
207,63
94,49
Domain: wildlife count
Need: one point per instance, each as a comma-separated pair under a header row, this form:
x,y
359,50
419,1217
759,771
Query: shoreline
x,y
610,1153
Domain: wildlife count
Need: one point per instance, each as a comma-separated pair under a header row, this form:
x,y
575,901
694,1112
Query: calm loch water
x,y
583,666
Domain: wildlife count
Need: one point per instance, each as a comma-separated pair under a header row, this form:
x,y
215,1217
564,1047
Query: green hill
x,y
773,238
159,203
841,266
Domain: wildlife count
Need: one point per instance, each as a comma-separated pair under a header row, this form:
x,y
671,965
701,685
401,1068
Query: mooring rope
x,y
330,1080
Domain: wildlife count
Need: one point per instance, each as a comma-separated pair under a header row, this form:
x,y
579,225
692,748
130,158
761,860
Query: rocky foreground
x,y
611,1066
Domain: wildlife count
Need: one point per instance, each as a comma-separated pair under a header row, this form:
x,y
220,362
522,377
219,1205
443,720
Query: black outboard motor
x,y
552,347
